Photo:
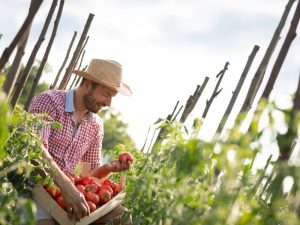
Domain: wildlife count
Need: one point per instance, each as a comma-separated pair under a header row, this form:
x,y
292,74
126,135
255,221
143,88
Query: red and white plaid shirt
x,y
70,144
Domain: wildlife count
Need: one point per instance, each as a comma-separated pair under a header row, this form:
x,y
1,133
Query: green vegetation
x,y
182,180
20,151
190,181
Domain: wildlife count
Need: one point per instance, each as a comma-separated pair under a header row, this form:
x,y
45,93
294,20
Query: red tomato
x,y
118,189
104,195
126,155
53,191
92,206
76,178
80,188
108,188
109,183
61,202
93,197
91,188
85,180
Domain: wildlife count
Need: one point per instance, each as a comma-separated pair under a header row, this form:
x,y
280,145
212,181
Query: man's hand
x,y
118,166
75,201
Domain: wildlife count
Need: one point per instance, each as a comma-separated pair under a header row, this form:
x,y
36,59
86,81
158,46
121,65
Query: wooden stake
x,y
14,70
258,77
33,8
192,101
45,57
237,89
24,76
52,86
65,79
291,35
216,91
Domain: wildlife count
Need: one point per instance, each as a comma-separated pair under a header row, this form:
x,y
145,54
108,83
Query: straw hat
x,y
107,72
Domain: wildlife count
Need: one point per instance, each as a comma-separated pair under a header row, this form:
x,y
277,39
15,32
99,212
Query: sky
x,y
167,48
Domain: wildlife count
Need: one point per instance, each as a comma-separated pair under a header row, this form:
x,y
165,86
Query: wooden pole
x,y
258,77
14,70
24,76
237,89
216,91
291,35
65,79
45,57
52,86
33,8
192,101
81,54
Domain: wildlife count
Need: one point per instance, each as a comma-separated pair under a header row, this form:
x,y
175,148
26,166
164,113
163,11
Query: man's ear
x,y
87,84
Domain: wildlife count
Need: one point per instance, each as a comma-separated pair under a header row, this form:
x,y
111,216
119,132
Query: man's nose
x,y
108,101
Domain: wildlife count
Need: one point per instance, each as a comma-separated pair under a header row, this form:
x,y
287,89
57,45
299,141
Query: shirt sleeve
x,y
43,104
93,155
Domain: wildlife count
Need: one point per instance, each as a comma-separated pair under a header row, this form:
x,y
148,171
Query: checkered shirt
x,y
70,144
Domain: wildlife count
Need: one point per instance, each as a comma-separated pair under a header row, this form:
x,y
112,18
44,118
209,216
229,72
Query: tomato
x,y
118,189
85,180
104,195
76,178
126,155
80,188
91,188
61,202
93,197
53,191
108,188
92,206
109,183
94,180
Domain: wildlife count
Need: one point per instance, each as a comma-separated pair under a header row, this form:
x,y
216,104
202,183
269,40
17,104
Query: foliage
x,y
20,160
191,181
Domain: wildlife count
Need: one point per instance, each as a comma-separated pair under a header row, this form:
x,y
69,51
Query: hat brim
x,y
123,89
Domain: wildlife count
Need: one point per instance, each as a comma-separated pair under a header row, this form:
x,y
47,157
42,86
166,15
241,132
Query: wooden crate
x,y
61,216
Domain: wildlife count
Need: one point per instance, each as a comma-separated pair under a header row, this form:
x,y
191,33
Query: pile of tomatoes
x,y
95,194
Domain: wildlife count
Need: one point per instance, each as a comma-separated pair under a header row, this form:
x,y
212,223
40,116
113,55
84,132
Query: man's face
x,y
98,97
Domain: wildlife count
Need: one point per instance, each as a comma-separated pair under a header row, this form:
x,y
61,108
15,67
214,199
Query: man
x,y
80,138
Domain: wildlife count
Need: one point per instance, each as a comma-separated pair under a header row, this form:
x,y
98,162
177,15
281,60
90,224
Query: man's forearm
x,y
55,172
102,171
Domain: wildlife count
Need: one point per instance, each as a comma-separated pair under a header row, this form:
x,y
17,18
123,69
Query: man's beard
x,y
89,102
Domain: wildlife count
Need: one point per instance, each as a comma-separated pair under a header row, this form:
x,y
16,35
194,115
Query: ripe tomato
x,y
91,188
53,191
93,197
108,188
126,155
61,202
104,195
85,180
109,183
92,206
80,188
117,189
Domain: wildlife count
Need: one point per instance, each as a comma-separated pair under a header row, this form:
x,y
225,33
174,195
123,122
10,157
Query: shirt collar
x,y
69,105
